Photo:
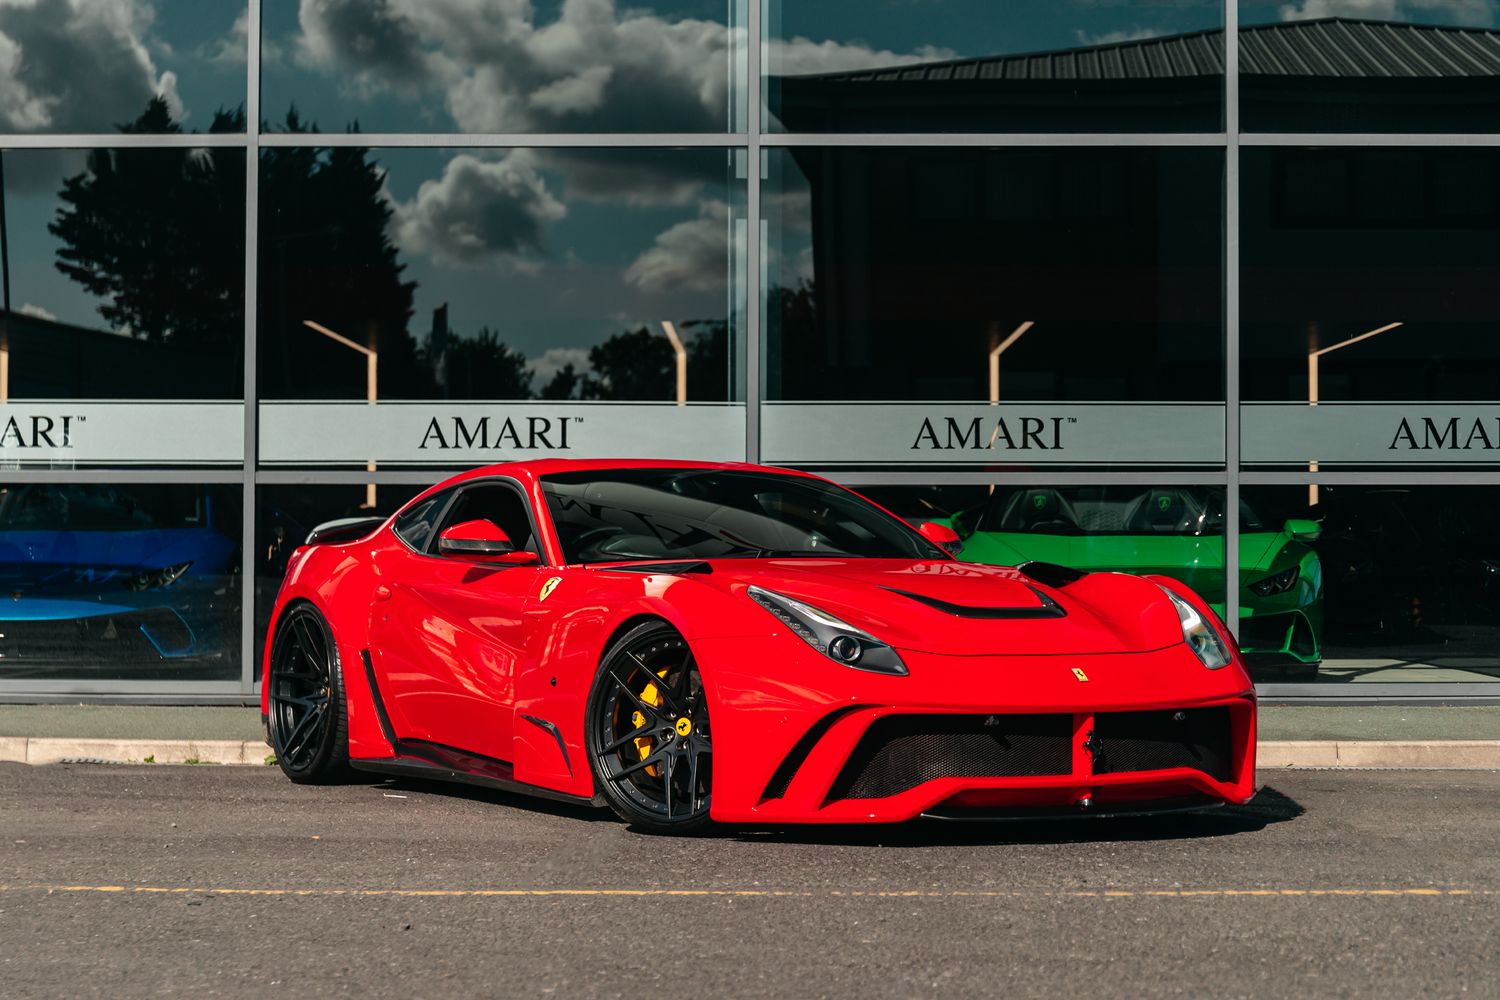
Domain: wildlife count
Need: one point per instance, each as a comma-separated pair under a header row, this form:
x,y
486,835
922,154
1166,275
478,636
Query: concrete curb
x,y
1271,755
48,750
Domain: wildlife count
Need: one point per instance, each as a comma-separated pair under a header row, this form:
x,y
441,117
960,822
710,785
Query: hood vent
x,y
1050,574
1049,608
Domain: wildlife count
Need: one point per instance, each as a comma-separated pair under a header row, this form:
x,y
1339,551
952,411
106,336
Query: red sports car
x,y
690,643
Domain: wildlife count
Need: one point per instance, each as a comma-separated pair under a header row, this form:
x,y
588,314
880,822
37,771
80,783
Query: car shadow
x,y
491,796
1267,808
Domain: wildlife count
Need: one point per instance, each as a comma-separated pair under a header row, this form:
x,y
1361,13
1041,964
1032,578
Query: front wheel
x,y
308,721
648,733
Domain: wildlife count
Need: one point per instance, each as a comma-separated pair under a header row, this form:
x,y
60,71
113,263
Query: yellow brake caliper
x,y
645,744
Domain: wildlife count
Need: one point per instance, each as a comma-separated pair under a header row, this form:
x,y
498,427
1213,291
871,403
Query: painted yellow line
x,y
759,893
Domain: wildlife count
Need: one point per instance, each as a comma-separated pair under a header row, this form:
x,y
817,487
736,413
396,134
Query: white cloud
x,y
1475,13
77,65
596,67
1117,37
27,309
481,212
690,256
555,359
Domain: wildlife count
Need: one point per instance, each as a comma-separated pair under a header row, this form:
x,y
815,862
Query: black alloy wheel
x,y
648,734
309,722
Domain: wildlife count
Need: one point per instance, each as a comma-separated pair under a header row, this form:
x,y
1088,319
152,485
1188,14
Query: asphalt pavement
x,y
209,881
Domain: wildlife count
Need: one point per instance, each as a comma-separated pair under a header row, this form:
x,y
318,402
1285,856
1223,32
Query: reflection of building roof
x,y
1328,47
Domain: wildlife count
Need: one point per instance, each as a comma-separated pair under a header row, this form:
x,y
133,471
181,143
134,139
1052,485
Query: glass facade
x,y
1198,288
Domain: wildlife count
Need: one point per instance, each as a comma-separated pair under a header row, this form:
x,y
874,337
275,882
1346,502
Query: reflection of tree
x,y
324,249
158,234
564,384
484,367
640,365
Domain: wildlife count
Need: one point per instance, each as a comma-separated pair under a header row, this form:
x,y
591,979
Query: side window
x,y
415,527
501,505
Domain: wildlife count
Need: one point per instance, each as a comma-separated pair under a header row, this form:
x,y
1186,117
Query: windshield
x,y
641,515
1113,510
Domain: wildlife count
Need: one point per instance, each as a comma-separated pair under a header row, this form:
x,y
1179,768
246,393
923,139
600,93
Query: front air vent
x,y
900,752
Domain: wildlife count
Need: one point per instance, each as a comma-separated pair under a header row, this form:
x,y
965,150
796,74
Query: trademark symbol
x,y
81,419
1072,420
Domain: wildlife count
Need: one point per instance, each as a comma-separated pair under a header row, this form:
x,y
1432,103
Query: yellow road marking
x,y
769,893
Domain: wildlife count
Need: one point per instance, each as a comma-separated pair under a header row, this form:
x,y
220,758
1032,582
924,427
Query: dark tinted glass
x,y
416,525
1368,289
499,274
1383,66
503,66
284,517
983,66
1086,274
627,516
120,582
126,273
1374,584
81,66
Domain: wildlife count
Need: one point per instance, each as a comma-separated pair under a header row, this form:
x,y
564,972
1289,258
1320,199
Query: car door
x,y
448,634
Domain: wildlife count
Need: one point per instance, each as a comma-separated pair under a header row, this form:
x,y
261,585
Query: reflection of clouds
x,y
1475,13
638,176
77,65
689,256
27,309
555,359
596,67
1117,37
480,212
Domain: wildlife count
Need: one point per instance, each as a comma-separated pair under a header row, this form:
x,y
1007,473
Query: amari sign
x,y
1076,434
68,433
457,434
1371,434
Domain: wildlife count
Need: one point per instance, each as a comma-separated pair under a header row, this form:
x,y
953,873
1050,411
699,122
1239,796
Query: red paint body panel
x,y
474,657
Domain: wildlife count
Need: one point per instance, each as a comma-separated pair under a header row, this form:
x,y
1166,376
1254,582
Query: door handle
x,y
382,593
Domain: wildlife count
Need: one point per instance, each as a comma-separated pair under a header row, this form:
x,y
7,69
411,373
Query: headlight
x,y
1201,637
153,579
838,640
1278,584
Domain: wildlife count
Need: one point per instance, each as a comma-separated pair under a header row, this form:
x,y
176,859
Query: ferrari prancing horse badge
x,y
548,588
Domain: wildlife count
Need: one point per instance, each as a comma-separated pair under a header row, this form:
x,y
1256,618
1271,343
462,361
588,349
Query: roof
x,y
1327,47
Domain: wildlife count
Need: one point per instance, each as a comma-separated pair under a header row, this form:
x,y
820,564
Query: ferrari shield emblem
x,y
549,587
1078,672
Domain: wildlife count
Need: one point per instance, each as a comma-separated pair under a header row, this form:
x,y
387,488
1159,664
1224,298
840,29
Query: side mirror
x,y
1303,530
481,541
942,536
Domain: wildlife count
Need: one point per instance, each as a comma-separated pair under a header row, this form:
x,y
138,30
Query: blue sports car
x,y
116,581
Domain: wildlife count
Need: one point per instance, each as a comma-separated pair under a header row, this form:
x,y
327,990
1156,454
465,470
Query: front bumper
x,y
803,740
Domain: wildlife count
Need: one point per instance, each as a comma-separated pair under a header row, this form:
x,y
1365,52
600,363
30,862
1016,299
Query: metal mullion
x,y
754,289
1370,139
122,475
249,507
1032,477
74,685
182,694
127,140
503,139
1384,692
1231,279
986,139
348,477
1401,477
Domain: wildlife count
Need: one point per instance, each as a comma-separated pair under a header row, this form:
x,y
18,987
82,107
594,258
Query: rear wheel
x,y
648,733
308,721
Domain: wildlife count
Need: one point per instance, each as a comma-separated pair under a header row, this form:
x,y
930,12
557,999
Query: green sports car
x,y
1177,532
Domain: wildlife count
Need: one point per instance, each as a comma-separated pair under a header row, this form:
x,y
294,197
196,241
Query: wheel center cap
x,y
684,726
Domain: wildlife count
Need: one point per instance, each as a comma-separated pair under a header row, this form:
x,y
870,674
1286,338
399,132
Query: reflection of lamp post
x,y
681,352
4,292
1313,357
372,361
1000,348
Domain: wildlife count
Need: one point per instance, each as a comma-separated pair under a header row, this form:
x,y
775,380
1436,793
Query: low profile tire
x,y
309,720
647,732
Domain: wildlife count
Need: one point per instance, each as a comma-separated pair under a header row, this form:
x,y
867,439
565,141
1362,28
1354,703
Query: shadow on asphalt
x,y
1267,808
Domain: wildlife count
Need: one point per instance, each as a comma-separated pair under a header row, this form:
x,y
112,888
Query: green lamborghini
x,y
1177,532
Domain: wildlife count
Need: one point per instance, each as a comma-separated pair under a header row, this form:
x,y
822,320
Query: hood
x,y
964,609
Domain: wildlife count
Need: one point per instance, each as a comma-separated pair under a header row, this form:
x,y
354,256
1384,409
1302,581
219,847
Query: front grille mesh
x,y
900,752
1197,738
